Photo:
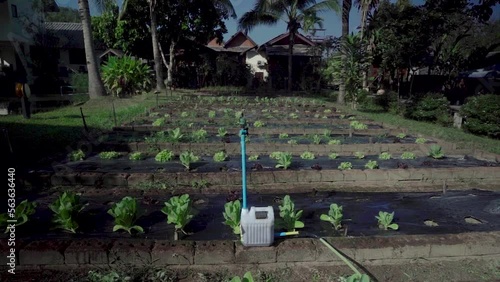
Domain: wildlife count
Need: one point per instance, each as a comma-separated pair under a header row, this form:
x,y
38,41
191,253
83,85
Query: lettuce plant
x,y
137,156
316,139
187,158
345,166
290,218
253,157
284,160
175,135
327,133
384,156
160,121
359,155
385,220
247,277
184,114
334,142
125,214
294,115
211,114
232,215
356,277
334,216
436,152
109,155
333,156
307,156
420,140
77,155
179,212
401,135
283,136
371,165
258,123
221,132
199,135
23,210
358,125
408,156
220,156
275,155
66,208
164,156
292,142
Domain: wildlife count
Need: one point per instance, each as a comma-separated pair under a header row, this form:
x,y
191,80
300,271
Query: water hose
x,y
328,245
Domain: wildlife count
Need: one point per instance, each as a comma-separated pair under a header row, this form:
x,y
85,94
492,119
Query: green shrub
x,y
80,82
482,115
126,76
431,108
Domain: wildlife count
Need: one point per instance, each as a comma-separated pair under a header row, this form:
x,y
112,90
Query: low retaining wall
x,y
393,249
404,180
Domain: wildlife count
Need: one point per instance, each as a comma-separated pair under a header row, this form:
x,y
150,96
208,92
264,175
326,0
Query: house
x,y
243,49
276,51
19,21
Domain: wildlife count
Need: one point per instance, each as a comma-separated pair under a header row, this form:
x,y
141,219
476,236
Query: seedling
x,y
334,216
125,214
359,155
211,114
371,165
357,277
317,116
334,142
184,114
408,156
333,156
401,136
179,213
259,124
294,115
385,156
199,135
187,158
385,221
77,155
345,166
275,155
436,152
358,125
160,121
421,140
327,133
221,132
253,157
307,156
109,155
175,135
284,160
316,139
137,156
327,111
232,215
220,156
247,277
164,156
155,114
198,184
66,208
292,142
283,136
21,215
289,217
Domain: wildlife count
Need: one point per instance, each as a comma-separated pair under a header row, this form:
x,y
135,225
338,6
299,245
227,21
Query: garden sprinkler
x,y
257,223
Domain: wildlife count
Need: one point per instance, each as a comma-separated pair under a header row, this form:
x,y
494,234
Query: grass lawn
x,y
451,134
49,132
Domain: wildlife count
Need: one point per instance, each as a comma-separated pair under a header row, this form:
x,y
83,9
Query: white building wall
x,y
253,58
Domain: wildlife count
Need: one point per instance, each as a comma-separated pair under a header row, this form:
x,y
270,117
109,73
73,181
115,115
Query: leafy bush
x,y
125,214
137,156
77,155
187,158
125,76
436,152
482,115
109,155
232,215
431,108
178,211
289,216
385,220
164,156
334,216
345,166
80,82
408,156
23,210
371,165
384,156
66,208
220,156
307,156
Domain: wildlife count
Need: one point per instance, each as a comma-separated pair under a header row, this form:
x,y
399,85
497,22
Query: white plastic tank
x,y
257,226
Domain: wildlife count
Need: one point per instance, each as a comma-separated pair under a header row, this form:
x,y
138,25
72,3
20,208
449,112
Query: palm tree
x,y
96,86
293,12
366,6
346,9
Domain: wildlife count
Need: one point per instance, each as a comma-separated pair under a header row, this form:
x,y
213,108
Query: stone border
x,y
391,249
404,180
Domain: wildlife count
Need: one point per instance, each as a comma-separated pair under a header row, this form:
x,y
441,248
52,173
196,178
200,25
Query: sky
x,y
261,34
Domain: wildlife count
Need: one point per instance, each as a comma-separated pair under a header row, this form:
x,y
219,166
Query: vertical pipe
x,y
83,118
243,168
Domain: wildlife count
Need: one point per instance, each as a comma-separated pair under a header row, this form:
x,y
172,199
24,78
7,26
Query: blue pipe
x,y
243,133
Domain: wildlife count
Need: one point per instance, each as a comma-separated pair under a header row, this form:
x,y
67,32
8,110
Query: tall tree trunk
x,y
96,87
160,85
290,60
171,52
346,9
364,14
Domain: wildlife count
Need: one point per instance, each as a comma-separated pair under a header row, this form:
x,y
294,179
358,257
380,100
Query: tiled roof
x,y
67,35
56,26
